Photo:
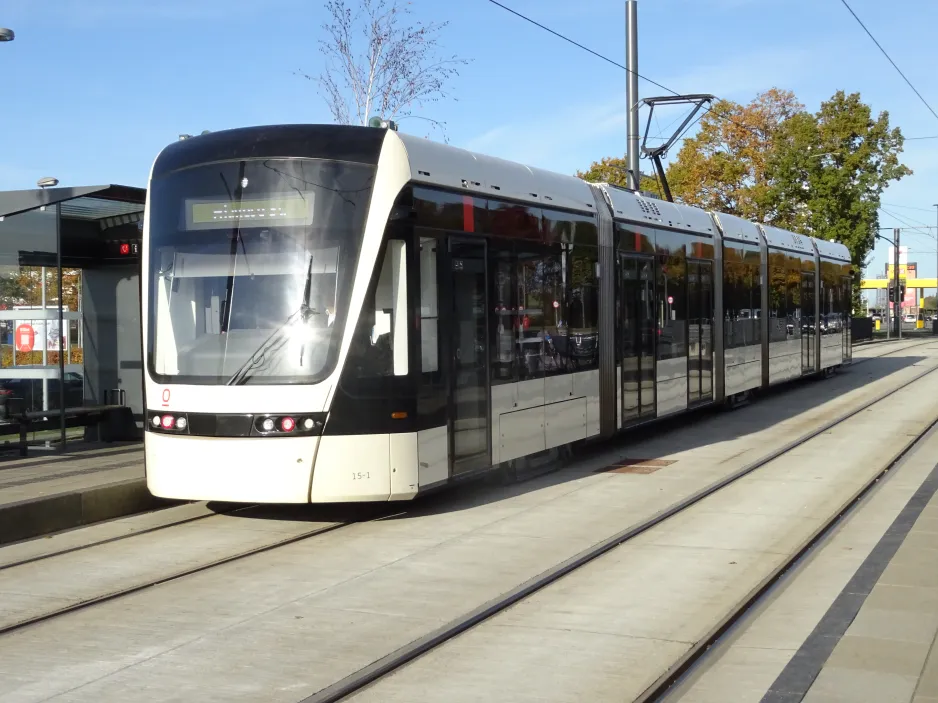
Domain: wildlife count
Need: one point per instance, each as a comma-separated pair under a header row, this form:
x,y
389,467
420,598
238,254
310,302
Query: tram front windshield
x,y
251,269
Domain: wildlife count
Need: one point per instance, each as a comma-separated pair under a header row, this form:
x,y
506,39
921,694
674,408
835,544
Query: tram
x,y
335,313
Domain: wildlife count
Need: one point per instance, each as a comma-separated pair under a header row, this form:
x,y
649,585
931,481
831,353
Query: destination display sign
x,y
223,214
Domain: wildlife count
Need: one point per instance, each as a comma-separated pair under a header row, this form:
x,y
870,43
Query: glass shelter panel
x,y
30,336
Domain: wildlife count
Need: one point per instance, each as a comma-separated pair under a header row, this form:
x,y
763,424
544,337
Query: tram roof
x,y
634,207
487,176
738,229
783,239
831,250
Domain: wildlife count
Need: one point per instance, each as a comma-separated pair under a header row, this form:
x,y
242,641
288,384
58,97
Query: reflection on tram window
x,y
785,295
633,238
533,274
429,309
514,221
546,311
379,347
742,295
671,295
442,210
834,305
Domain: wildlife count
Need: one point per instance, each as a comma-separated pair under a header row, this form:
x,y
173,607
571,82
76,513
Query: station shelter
x,y
70,303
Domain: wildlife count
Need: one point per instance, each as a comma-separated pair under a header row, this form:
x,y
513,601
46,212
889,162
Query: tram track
x,y
443,635
245,507
183,573
403,656
116,538
698,656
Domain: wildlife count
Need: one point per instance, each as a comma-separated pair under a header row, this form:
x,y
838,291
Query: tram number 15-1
x,y
360,475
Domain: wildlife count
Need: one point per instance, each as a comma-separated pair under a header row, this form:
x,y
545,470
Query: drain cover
x,y
636,466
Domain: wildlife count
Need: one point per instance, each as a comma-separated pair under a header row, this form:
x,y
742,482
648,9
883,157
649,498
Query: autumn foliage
x,y
773,162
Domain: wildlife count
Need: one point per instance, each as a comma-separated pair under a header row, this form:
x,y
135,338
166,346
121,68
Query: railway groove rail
x,y
186,517
364,678
399,659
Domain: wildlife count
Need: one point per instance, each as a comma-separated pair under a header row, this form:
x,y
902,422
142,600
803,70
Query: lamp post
x,y
6,34
43,183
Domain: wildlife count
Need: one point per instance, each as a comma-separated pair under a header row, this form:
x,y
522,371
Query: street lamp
x,y
43,183
6,34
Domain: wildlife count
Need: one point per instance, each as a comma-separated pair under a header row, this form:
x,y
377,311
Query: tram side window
x,y
534,269
582,306
379,347
795,290
505,304
672,307
429,309
781,326
742,296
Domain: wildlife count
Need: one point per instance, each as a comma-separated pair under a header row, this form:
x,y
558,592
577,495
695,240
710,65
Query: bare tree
x,y
377,63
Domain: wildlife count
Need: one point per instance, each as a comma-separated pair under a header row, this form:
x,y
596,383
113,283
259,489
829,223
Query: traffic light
x,y
892,292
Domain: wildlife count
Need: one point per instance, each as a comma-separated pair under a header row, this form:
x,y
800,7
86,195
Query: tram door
x,y
468,396
808,322
700,331
637,322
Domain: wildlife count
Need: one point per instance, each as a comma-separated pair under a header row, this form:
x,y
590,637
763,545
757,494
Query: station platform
x,y
433,601
44,494
856,622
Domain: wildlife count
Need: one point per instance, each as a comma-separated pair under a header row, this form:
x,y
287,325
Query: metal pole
x,y
45,345
895,237
61,341
631,90
934,320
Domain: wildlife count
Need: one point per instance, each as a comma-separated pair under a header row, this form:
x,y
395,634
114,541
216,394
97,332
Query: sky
x,y
91,90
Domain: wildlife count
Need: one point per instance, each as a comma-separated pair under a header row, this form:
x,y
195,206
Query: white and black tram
x,y
348,314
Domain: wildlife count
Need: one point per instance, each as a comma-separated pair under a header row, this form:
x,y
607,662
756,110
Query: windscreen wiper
x,y
278,335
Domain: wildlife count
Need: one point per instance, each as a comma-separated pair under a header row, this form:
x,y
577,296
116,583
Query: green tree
x,y
828,171
772,162
930,303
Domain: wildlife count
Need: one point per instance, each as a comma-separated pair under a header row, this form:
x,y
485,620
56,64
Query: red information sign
x,y
25,338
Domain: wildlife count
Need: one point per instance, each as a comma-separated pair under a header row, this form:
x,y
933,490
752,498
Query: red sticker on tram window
x,y
468,214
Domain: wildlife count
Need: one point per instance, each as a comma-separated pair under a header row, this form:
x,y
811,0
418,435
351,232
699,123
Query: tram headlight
x,y
167,422
287,424
268,425
156,420
309,423
181,423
